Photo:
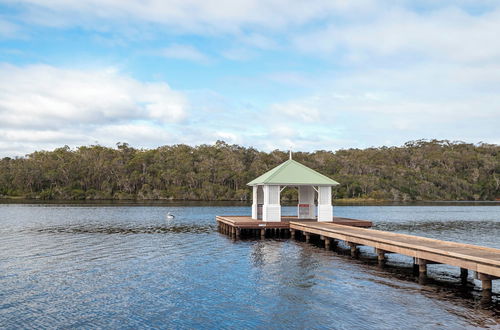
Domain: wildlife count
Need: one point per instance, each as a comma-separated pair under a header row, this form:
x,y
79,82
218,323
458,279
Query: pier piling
x,y
354,249
380,256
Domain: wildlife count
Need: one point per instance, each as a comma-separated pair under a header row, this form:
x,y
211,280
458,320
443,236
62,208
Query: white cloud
x,y
447,34
306,111
238,54
188,15
45,96
427,101
42,105
8,29
184,52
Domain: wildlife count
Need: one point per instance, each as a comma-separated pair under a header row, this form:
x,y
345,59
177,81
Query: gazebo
x,y
311,184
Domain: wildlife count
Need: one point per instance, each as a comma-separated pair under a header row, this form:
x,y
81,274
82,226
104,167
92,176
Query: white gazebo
x,y
267,188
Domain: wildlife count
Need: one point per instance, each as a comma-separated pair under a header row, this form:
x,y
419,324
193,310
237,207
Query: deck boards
x,y
246,222
481,259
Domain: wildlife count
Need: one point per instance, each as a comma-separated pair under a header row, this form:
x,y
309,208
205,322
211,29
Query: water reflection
x,y
191,229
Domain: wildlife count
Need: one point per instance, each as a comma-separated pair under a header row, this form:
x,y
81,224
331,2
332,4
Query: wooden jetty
x,y
314,219
485,262
236,225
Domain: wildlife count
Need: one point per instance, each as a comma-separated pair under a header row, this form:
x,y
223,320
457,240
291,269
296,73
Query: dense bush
x,y
419,170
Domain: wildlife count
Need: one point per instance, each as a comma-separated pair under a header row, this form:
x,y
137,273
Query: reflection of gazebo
x,y
267,188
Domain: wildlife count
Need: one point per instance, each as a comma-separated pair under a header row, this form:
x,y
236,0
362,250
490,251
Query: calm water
x,y
87,266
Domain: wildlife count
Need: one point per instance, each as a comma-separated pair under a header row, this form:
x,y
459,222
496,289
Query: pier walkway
x,y
484,261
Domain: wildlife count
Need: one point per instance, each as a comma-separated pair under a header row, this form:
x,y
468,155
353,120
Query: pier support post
x,y
354,249
464,274
326,240
380,256
238,232
422,267
308,237
485,281
262,233
292,233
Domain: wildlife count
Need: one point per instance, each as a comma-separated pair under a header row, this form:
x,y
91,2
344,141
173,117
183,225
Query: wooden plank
x,y
413,242
480,259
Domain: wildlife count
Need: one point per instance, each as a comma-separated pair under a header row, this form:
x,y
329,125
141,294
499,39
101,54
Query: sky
x,y
276,74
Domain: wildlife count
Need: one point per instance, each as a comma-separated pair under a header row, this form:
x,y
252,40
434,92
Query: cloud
x,y
46,96
41,104
445,34
184,52
238,54
187,15
8,29
380,106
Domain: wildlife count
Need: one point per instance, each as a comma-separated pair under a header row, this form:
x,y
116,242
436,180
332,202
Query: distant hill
x,y
418,170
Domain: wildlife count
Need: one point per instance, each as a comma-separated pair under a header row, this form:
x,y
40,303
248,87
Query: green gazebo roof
x,y
293,173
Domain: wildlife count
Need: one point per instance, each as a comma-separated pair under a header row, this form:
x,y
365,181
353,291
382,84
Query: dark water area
x,y
127,266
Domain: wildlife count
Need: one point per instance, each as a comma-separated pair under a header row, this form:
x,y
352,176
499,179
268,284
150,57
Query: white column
x,y
271,210
306,197
254,203
325,208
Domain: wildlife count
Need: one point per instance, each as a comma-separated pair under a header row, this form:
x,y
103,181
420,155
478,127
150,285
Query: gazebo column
x,y
257,200
271,210
254,202
325,208
306,197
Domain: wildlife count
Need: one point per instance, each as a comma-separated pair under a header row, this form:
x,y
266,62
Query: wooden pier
x,y
485,262
238,226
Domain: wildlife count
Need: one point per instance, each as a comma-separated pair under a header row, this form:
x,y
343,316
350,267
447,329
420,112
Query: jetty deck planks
x,y
246,222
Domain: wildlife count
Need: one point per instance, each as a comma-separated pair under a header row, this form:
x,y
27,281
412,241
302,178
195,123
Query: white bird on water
x,y
170,216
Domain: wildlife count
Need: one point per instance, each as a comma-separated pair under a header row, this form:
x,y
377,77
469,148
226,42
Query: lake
x,y
127,266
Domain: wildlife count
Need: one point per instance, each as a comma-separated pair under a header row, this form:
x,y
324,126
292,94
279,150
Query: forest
x,y
418,170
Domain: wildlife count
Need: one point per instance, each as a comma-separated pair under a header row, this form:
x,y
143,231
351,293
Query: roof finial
x,y
290,151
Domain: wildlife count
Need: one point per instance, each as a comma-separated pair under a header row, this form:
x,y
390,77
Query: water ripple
x,y
126,267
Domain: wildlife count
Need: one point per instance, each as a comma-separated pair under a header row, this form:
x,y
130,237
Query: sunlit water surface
x,y
88,266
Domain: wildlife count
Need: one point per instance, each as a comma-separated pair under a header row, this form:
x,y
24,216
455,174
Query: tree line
x,y
418,170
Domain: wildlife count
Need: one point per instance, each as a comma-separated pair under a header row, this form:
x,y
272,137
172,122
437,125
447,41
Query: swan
x,y
170,216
